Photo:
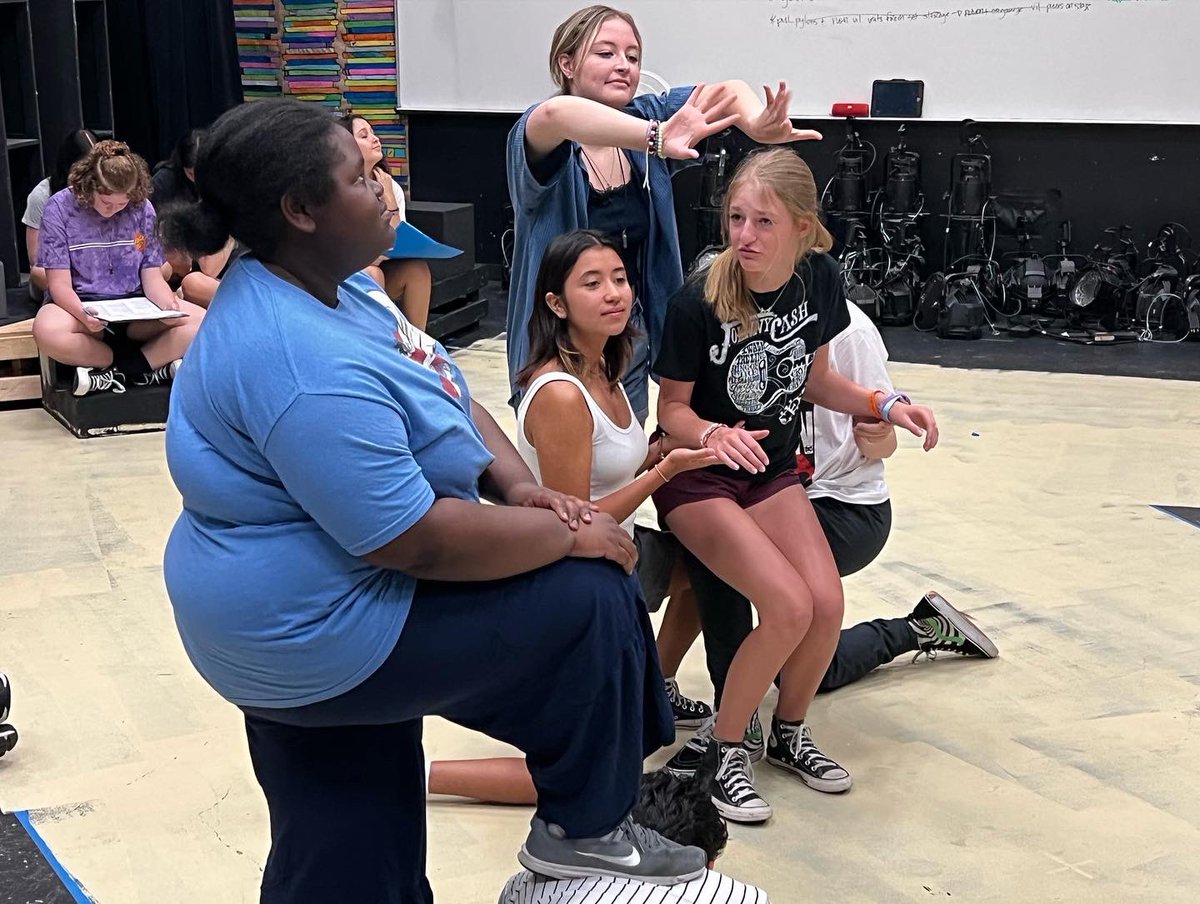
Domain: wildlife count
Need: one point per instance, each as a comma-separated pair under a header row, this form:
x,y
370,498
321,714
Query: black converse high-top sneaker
x,y
791,747
940,628
689,713
732,777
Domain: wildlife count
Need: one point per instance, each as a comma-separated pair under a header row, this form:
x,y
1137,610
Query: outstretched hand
x,y
773,125
917,420
701,116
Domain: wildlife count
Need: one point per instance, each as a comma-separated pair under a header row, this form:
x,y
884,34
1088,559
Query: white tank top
x,y
616,453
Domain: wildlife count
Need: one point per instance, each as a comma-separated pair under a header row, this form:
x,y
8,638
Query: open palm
x,y
773,125
700,117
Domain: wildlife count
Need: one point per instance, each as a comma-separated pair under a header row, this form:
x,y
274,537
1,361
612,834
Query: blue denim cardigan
x,y
544,212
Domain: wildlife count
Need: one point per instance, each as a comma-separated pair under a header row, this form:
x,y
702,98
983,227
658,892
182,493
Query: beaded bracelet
x,y
708,432
654,138
889,403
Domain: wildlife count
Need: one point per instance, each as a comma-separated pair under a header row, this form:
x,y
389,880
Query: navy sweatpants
x,y
559,662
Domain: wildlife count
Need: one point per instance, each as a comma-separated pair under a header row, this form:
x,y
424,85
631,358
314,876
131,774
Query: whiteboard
x,y
995,60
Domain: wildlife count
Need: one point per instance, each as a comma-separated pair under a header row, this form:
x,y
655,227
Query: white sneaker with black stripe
x,y
791,747
732,776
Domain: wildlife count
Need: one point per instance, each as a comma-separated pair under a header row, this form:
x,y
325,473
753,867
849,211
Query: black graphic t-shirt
x,y
759,378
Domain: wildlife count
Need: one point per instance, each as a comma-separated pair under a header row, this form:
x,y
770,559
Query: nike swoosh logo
x,y
631,859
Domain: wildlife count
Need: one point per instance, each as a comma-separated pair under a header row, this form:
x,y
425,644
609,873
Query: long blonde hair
x,y
574,37
782,172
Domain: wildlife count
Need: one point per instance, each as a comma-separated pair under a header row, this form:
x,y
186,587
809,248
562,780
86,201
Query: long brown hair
x,y
549,334
110,168
782,172
574,36
346,121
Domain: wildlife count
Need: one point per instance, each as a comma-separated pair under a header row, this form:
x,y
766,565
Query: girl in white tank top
x,y
569,421
618,453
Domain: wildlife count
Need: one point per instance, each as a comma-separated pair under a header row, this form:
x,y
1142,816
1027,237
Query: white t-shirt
x,y
711,888
617,452
842,472
35,204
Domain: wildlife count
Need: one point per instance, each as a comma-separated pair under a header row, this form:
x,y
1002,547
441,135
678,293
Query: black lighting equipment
x,y
968,200
849,183
902,191
1172,246
1191,305
862,268
1062,271
1026,276
900,286
952,307
1101,292
970,175
961,314
717,167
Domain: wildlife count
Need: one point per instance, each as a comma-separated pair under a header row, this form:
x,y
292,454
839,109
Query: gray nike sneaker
x,y
630,851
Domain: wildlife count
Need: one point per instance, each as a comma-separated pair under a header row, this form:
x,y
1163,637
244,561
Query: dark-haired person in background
x,y
174,180
98,241
335,574
407,281
72,149
677,809
199,286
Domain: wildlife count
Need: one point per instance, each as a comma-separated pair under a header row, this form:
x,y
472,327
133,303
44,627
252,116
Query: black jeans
x,y
559,662
856,534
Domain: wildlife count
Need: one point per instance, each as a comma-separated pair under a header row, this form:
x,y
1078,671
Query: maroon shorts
x,y
696,486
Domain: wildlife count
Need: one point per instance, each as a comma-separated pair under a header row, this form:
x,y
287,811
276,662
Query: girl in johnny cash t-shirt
x,y
743,343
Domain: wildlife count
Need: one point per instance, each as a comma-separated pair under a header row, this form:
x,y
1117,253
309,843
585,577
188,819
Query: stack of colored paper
x,y
257,33
368,35
310,64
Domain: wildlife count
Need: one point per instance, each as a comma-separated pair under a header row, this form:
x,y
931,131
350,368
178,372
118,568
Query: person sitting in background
x,y
73,147
406,281
200,285
174,180
98,241
680,811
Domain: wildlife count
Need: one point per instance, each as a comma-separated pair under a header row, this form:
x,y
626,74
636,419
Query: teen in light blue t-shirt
x,y
293,613
335,574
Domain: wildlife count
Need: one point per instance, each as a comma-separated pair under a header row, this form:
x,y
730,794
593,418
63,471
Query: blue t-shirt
x,y
301,438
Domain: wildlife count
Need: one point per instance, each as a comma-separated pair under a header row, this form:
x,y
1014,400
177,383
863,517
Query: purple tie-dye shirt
x,y
105,256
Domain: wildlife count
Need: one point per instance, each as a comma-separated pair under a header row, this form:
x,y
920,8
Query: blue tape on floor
x,y
68,881
1182,512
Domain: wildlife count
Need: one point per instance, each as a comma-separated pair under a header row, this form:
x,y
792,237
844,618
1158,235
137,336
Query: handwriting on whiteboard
x,y
797,19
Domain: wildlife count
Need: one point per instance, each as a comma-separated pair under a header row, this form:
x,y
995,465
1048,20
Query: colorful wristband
x,y
708,432
889,403
873,401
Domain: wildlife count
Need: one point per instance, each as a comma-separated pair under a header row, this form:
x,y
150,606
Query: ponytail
x,y
196,228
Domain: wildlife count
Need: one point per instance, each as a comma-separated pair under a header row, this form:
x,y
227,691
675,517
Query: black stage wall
x,y
1139,175
174,67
